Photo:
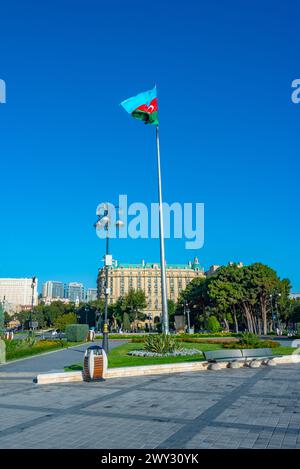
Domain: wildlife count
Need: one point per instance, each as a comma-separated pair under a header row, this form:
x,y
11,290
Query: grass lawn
x,y
282,350
118,356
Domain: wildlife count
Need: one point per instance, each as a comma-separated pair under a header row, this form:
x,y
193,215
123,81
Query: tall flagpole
x,y
162,245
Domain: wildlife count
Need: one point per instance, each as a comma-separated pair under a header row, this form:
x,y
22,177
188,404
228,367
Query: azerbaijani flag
x,y
143,106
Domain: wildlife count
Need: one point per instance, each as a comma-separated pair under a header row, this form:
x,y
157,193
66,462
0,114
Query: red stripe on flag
x,y
149,109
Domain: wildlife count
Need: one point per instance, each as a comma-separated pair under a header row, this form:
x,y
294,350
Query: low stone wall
x,y
155,369
64,377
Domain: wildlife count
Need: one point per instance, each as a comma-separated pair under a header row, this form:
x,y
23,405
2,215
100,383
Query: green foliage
x,y
259,344
161,343
2,351
244,296
250,339
126,322
7,319
1,320
171,311
295,311
76,332
62,321
16,349
213,324
134,303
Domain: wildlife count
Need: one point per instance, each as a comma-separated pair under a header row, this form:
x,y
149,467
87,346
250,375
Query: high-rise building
x,y
16,293
53,290
147,277
75,292
91,294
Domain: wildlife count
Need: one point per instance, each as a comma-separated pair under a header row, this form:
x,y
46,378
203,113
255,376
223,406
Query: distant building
x,y
147,277
53,290
48,300
74,292
91,294
214,268
16,293
295,296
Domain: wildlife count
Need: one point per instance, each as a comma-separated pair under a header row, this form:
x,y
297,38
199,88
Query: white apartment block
x,y
17,293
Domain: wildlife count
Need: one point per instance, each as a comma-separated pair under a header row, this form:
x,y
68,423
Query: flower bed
x,y
178,353
25,348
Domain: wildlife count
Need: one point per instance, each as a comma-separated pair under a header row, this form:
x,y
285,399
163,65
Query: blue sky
x,y
229,131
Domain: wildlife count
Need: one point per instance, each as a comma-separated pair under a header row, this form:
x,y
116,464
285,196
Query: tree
x,y
225,291
294,315
243,295
133,304
196,295
171,311
213,324
62,321
7,318
126,323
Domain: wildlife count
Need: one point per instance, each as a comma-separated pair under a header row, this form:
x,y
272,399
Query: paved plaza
x,y
245,408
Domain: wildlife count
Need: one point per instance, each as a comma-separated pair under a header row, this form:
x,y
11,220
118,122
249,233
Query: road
x,y
54,361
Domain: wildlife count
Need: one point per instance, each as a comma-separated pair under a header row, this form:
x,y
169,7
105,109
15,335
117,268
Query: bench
x,y
295,343
257,353
223,355
235,355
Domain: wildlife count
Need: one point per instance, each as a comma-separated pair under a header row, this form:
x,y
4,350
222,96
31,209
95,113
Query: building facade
x,y
74,292
147,277
53,290
91,294
16,293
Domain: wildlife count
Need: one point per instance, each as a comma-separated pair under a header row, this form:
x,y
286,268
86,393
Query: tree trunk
x,y
226,324
264,316
235,321
246,311
259,326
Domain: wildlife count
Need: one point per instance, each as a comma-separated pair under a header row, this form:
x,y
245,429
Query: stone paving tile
x,y
229,409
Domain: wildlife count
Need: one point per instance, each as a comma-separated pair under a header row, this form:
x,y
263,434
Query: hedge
x,y
76,332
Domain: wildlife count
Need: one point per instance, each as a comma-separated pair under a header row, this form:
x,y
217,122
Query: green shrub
x,y
76,332
248,338
213,324
203,340
258,344
161,343
23,348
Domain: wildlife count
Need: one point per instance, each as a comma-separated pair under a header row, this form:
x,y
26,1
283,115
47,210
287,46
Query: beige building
x,y
16,293
214,268
147,277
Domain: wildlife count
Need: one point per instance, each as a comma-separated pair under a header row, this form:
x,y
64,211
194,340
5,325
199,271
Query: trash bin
x,y
93,365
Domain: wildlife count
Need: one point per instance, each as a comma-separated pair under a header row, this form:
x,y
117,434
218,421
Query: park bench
x,y
224,355
237,355
295,343
257,353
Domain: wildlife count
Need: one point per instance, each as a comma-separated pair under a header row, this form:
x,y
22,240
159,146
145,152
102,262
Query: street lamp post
x,y
275,316
33,284
186,311
104,222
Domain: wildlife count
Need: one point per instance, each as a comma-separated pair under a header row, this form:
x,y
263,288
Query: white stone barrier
x,y
59,377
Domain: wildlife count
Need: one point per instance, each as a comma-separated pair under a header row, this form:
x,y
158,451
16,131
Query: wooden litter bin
x,y
93,363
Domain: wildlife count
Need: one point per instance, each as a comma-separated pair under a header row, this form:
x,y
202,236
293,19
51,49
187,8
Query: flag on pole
x,y
143,106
